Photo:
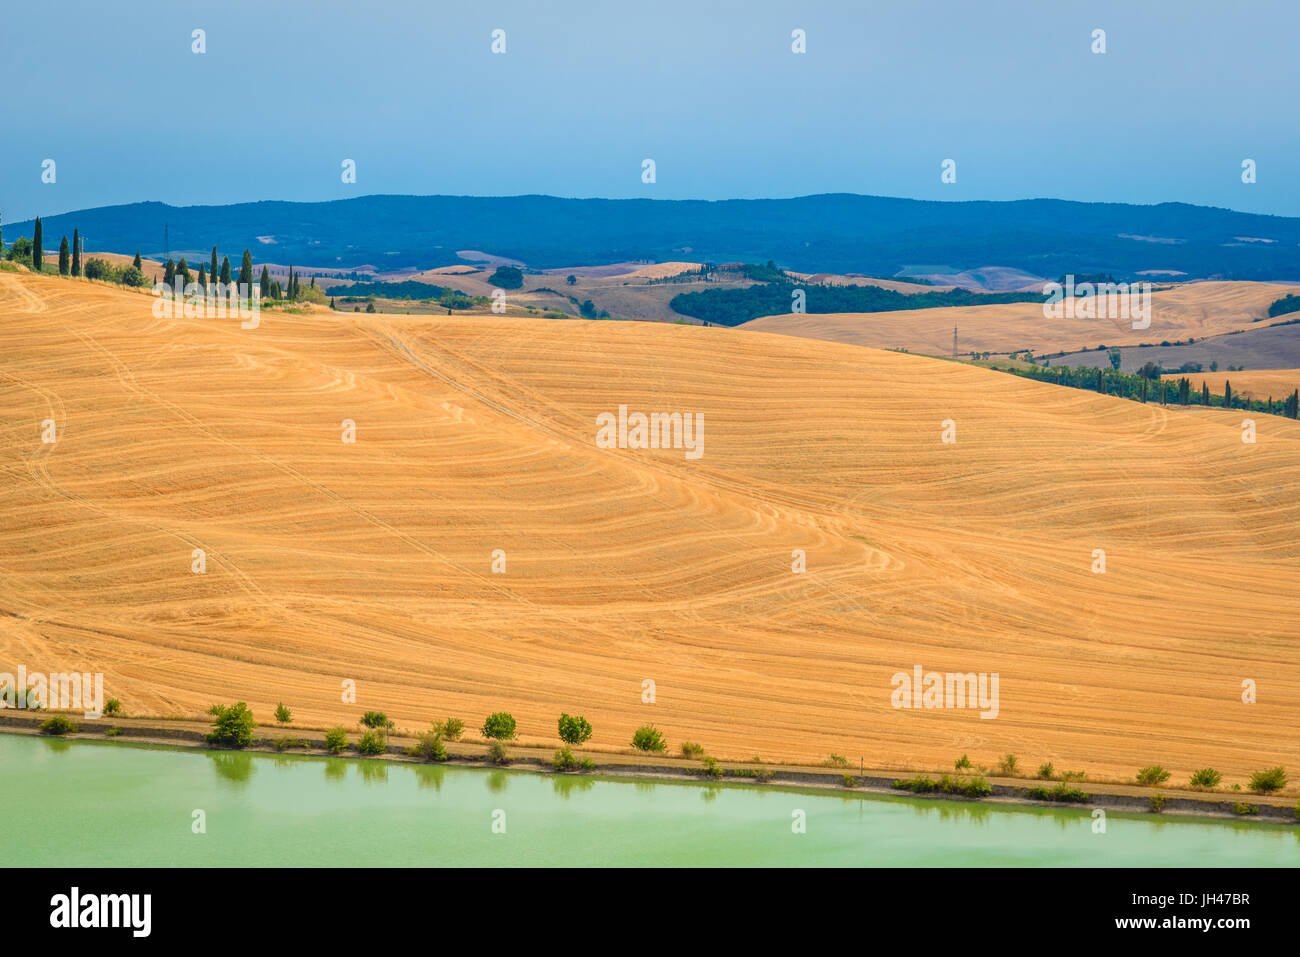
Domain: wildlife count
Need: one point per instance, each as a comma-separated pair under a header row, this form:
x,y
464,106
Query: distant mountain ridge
x,y
834,232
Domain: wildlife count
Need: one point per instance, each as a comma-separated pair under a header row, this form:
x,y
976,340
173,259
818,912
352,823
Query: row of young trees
x,y
1148,386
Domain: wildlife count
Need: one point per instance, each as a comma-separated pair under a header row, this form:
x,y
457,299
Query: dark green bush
x,y
372,742
1153,775
648,738
232,725
574,729
1205,778
499,726
58,724
1265,782
336,740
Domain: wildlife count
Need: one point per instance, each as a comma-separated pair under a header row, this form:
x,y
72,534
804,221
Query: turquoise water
x,y
89,803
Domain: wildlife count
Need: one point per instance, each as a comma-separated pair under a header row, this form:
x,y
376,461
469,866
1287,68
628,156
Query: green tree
x,y
232,725
283,714
377,720
1114,359
169,273
648,738
136,262
203,276
1291,409
1264,782
65,261
507,277
336,740
225,270
1227,394
265,283
212,271
1205,394
38,256
246,271
572,280
183,273
500,725
76,253
574,729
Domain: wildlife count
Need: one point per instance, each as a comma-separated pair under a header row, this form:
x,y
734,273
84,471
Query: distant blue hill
x,y
839,232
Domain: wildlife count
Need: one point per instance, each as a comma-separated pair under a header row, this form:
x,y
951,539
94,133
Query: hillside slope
x,y
1187,310
372,561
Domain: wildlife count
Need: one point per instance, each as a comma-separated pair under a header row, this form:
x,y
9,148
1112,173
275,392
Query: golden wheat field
x,y
1194,310
1262,384
372,561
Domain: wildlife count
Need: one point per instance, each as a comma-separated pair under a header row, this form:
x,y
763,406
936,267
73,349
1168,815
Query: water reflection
x,y
232,765
564,786
497,781
429,776
373,772
336,769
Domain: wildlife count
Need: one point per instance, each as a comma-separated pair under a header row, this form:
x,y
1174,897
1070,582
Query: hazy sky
x,y
411,91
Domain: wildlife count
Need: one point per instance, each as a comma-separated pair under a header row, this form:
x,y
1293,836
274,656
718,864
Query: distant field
x,y
1262,346
1188,310
373,561
1259,384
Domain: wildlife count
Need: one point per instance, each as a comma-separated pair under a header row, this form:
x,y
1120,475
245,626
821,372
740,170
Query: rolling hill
x,y
372,561
1002,242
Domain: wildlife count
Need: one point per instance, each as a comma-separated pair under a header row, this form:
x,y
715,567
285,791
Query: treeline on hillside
x,y
731,307
1288,303
1146,386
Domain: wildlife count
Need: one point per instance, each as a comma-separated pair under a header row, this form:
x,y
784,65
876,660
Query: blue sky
x,y
710,90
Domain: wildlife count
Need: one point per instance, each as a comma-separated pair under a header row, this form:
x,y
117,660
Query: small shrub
x,y
564,759
838,761
1205,778
232,725
336,740
850,781
1062,794
966,787
376,721
1153,775
451,729
691,749
1008,766
496,754
283,714
1072,775
1045,771
372,742
499,726
648,738
1265,782
283,744
574,729
1157,803
58,724
112,707
711,768
1241,807
132,276
112,732
429,746
962,764
586,764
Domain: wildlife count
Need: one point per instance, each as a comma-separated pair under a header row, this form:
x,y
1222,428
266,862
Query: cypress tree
x,y
265,283
1205,394
183,272
1227,394
64,262
203,276
225,270
38,257
2,238
212,273
246,271
169,273
76,253
1292,409
136,261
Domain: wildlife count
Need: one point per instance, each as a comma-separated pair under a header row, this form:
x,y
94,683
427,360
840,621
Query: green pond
x,y
83,803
